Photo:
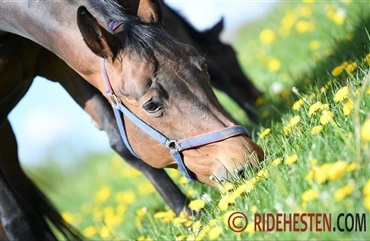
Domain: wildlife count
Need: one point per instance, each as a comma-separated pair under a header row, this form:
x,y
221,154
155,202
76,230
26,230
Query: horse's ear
x,y
216,30
149,11
99,40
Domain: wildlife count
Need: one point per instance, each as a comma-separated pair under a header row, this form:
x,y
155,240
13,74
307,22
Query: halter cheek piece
x,y
175,146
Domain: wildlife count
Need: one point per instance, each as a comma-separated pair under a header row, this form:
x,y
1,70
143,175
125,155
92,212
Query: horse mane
x,y
141,38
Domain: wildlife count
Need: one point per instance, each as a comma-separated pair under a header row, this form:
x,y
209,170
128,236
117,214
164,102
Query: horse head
x,y
225,70
165,85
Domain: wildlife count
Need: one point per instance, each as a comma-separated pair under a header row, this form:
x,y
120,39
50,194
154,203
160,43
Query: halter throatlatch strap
x,y
175,146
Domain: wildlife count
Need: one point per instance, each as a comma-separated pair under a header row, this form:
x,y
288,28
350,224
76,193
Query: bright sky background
x,y
48,123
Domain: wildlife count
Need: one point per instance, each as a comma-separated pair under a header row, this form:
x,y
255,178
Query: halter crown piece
x,y
175,146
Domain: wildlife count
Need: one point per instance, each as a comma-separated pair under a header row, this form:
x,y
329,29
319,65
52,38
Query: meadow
x,y
312,61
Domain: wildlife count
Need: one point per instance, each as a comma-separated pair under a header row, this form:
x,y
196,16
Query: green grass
x,y
106,199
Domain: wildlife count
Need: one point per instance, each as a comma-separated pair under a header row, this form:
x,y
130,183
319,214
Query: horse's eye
x,y
152,107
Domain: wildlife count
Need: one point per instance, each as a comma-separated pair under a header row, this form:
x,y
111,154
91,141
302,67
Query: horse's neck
x,y
52,25
174,24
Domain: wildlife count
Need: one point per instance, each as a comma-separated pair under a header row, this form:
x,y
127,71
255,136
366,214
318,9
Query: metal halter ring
x,y
114,99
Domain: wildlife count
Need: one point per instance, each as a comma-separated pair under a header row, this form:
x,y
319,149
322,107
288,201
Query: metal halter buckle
x,y
173,144
114,99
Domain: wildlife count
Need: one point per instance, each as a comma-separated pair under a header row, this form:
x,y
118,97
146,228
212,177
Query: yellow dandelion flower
x,y
127,197
337,170
273,65
314,107
108,212
102,194
339,16
267,36
294,121
249,185
180,237
308,1
297,104
196,226
112,221
263,174
250,228
183,180
316,130
141,212
67,217
287,23
143,238
325,107
352,166
366,189
347,107
104,232
228,187
89,231
289,160
173,173
345,64
224,202
237,193
314,45
215,233
365,131
326,117
310,175
321,173
343,192
309,195
179,220
367,202
287,129
303,26
166,216
351,67
341,94
197,204
190,192
191,237
264,133
337,71
367,59
277,161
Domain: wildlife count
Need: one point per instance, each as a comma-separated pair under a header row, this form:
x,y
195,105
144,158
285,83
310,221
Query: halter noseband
x,y
175,146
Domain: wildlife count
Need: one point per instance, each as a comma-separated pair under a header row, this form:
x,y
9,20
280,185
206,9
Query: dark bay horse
x,y
149,79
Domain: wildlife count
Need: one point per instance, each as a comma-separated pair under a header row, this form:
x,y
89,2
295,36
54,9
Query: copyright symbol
x,y
237,222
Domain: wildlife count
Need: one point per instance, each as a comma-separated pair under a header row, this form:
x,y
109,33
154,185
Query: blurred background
x,y
49,125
